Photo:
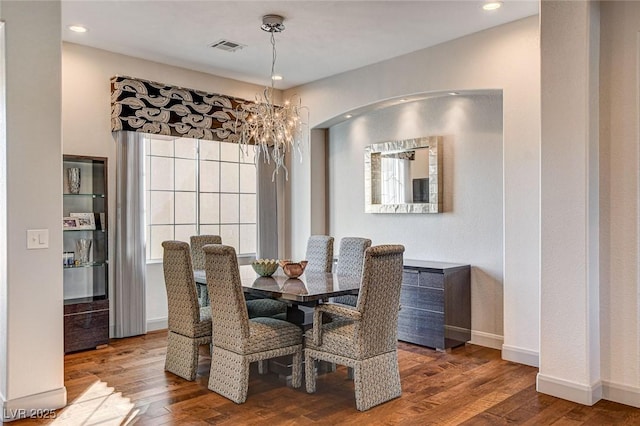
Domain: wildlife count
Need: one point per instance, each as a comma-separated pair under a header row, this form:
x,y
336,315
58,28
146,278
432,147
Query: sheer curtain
x,y
130,256
270,244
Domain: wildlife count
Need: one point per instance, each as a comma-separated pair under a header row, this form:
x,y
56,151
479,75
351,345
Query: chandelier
x,y
272,129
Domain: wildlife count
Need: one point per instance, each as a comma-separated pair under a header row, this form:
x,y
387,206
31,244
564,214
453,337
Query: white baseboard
x,y
623,394
488,340
157,324
40,405
521,355
571,391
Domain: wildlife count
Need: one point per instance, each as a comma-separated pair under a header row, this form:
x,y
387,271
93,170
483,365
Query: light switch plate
x,y
37,239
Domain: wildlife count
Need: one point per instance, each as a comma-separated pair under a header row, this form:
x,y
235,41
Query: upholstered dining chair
x,y
189,324
197,259
238,340
350,260
319,253
366,338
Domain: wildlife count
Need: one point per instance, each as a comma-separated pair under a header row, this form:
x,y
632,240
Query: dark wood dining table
x,y
310,289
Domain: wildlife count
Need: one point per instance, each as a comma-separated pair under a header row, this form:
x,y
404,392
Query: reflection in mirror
x,y
404,176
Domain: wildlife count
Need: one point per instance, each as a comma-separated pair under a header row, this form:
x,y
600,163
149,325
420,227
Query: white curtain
x,y
130,252
270,212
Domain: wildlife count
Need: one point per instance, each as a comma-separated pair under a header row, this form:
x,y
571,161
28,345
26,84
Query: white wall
x,y
470,229
569,323
31,318
86,114
506,58
619,174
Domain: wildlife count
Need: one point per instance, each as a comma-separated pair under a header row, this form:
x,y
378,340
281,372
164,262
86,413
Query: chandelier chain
x,y
273,57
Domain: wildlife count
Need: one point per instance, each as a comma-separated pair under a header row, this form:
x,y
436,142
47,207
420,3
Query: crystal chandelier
x,y
273,130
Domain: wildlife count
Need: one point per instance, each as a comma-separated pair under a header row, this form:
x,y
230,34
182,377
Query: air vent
x,y
227,45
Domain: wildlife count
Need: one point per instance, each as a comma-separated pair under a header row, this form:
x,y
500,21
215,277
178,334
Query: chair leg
x,y
229,375
296,373
182,356
309,372
370,374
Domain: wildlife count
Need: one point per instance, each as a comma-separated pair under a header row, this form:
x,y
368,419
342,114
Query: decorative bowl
x,y
265,267
293,269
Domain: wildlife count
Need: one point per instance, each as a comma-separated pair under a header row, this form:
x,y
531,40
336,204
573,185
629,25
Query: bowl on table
x,y
293,269
265,267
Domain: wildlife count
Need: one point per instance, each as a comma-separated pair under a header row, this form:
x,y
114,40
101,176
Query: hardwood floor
x,y
125,383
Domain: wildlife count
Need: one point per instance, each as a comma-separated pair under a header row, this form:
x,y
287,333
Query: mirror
x,y
403,176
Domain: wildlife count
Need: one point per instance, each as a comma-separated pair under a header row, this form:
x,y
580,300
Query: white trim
x,y
572,391
157,324
521,355
489,340
38,405
623,394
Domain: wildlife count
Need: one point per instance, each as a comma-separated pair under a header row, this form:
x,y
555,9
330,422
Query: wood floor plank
x,y
125,382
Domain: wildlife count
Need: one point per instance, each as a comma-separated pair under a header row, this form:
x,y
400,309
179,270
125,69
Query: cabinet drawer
x,y
86,330
96,305
410,277
431,279
421,327
431,299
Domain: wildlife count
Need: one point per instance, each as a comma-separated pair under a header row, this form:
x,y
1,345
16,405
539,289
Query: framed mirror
x,y
404,176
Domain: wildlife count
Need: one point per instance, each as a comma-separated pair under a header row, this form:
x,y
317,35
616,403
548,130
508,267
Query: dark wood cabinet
x,y
86,325
86,273
436,304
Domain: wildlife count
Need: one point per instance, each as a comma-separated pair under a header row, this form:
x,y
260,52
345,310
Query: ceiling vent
x,y
227,45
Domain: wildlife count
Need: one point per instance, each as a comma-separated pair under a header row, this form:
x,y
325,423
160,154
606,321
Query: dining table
x,y
309,289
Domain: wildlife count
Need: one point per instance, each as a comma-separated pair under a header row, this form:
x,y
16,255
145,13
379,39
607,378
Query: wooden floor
x,y
125,383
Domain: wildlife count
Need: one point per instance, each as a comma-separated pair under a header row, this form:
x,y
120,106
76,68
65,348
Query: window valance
x,y
146,106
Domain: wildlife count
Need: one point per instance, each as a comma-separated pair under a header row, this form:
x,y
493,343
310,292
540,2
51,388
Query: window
x,y
198,187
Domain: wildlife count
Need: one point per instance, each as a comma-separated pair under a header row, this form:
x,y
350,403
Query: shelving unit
x,y
86,285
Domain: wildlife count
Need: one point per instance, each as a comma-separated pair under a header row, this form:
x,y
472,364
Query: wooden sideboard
x,y
436,304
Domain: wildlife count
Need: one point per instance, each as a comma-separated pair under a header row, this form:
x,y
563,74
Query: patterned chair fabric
x,y
350,262
319,253
238,340
266,308
189,324
365,337
197,259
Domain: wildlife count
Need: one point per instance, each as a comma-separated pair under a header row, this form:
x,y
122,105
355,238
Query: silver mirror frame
x,y
372,175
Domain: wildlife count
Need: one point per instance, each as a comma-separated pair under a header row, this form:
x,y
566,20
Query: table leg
x,y
295,315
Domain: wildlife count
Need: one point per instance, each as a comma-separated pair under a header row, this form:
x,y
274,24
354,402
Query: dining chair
x,y
197,259
189,324
350,260
319,253
365,338
238,340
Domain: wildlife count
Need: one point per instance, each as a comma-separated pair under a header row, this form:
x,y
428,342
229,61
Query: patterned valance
x,y
150,107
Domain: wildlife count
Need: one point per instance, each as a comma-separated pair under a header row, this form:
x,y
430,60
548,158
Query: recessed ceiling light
x,y
453,93
78,28
348,116
403,100
492,5
276,77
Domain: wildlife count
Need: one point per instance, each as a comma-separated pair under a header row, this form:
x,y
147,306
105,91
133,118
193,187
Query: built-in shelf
x,y
85,195
87,265
86,285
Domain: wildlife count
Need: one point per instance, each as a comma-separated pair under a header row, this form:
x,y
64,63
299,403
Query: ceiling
x,y
322,38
